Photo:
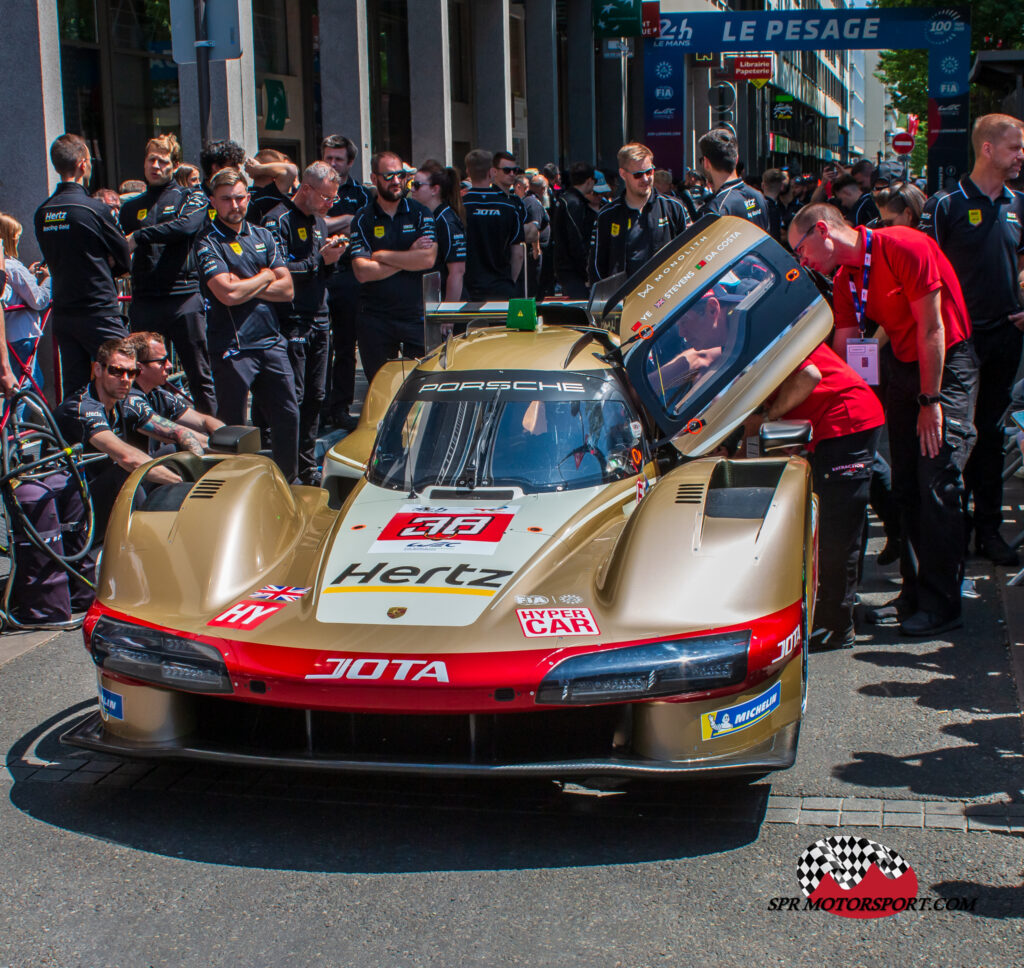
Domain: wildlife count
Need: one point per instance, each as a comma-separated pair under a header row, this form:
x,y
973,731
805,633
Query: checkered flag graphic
x,y
847,859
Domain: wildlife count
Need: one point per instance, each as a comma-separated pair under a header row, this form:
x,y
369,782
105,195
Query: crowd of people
x,y
265,279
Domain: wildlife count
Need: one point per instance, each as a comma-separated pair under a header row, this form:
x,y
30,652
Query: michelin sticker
x,y
111,704
724,722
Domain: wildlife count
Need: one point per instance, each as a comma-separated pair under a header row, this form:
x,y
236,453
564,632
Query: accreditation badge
x,y
378,231
862,358
236,247
974,216
303,234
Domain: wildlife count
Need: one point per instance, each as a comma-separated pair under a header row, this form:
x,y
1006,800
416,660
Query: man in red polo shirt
x,y
899,278
846,420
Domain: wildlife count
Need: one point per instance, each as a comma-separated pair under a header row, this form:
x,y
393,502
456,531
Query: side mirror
x,y
235,440
776,435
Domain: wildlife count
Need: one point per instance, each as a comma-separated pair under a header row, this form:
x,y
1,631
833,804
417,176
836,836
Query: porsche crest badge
x,y
396,611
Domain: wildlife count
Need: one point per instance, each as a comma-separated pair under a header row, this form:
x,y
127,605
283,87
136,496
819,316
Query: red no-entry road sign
x,y
903,143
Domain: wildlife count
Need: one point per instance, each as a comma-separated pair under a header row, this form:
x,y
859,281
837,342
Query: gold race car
x,y
530,558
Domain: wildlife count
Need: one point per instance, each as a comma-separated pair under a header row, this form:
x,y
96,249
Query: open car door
x,y
712,326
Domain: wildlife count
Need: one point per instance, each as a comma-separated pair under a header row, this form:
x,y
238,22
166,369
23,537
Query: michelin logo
x,y
732,720
111,704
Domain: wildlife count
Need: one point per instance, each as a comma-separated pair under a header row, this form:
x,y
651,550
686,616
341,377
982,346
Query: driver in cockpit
x,y
701,334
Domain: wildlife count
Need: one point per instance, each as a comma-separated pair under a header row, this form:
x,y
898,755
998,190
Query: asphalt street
x,y
917,744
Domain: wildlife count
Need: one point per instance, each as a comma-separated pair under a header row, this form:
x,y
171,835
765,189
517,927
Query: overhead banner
x,y
665,103
945,33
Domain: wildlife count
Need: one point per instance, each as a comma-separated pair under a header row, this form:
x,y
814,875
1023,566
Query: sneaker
x,y
890,613
993,547
923,625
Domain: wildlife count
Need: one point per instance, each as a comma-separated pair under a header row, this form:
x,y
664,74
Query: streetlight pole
x,y
203,46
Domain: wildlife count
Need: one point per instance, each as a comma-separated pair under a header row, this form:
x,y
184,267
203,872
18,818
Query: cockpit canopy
x,y
537,431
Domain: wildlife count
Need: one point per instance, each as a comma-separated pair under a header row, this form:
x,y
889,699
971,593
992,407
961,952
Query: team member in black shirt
x,y
629,230
310,256
243,278
858,206
153,365
437,189
99,417
572,224
342,286
495,225
161,224
273,176
978,226
84,248
393,244
732,195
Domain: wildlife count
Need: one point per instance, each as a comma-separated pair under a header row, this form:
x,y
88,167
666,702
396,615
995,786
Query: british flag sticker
x,y
279,593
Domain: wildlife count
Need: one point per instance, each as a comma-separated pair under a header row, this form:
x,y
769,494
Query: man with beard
x,y
161,225
392,244
243,279
979,228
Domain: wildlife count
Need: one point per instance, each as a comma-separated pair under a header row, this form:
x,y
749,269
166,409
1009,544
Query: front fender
x,y
693,557
236,526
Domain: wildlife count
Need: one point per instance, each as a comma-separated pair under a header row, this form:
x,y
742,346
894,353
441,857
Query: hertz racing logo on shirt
x,y
303,234
143,212
378,231
236,247
615,229
724,722
974,216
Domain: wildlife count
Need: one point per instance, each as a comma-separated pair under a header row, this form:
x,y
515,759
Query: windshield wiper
x,y
480,443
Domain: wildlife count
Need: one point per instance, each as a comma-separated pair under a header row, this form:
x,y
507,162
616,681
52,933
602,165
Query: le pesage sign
x,y
945,33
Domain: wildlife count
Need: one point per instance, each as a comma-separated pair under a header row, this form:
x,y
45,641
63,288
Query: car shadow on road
x,y
310,821
993,901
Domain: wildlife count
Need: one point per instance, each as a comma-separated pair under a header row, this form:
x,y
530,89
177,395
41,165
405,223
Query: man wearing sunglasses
x,y
495,227
631,228
392,243
732,195
99,418
153,365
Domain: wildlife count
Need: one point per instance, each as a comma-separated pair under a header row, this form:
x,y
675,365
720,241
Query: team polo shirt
x,y
451,241
842,403
352,196
252,325
262,201
82,415
982,239
865,211
162,402
494,223
299,239
623,239
736,197
400,296
905,265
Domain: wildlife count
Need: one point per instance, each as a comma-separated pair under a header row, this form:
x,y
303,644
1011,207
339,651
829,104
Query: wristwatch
x,y
924,400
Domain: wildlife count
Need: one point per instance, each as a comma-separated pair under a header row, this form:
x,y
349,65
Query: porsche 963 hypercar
x,y
530,558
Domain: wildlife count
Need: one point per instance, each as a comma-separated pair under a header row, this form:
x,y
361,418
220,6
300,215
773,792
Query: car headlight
x,y
648,671
158,657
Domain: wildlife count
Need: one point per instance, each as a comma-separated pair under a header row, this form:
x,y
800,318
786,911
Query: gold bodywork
x,y
646,570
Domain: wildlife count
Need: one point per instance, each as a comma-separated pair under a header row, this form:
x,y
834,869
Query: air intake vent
x,y
689,493
206,488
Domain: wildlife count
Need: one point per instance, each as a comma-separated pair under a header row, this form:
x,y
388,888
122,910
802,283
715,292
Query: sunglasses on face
x,y
119,371
389,175
643,172
417,185
159,360
511,171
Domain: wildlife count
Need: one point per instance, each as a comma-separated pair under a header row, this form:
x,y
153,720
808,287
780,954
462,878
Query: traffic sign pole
x,y
203,73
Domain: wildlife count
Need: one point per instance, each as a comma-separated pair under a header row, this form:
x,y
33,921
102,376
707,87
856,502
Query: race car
x,y
534,556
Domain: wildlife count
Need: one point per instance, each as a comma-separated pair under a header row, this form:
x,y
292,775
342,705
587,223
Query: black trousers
x,y
842,480
929,490
573,286
78,339
998,350
182,321
343,303
268,373
382,339
308,346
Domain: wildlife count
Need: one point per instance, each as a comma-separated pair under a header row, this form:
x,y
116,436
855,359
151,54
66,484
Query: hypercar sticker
x,y
724,722
280,593
245,615
111,704
540,622
419,529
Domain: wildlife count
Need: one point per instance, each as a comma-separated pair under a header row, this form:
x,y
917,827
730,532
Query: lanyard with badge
x,y
862,353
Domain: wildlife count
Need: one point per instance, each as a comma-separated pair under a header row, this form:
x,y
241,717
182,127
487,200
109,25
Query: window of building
x,y
270,36
388,30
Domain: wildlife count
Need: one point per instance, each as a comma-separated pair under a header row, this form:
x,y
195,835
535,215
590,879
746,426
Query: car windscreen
x,y
536,431
696,347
